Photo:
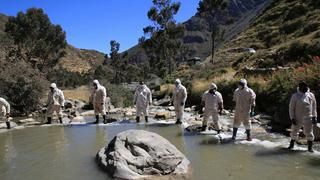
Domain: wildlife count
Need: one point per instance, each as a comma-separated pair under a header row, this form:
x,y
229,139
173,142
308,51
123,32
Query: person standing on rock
x,y
55,103
98,99
213,106
142,100
244,98
179,100
303,113
5,111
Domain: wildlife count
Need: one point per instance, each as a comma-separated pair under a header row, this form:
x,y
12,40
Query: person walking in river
x,y
142,101
98,99
179,99
55,103
213,106
5,111
303,113
244,98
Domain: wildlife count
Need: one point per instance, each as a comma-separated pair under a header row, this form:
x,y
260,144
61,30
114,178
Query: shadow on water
x,y
314,161
210,141
278,151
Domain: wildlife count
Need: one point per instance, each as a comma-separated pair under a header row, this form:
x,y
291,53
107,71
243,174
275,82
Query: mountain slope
x,y
285,34
75,60
198,33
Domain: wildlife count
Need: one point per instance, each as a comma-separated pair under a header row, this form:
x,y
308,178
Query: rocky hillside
x,y
75,60
198,33
286,34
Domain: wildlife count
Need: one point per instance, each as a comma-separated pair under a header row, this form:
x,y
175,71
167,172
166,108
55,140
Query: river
x,y
68,153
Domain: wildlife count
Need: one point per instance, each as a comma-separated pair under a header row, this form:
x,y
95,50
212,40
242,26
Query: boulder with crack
x,y
138,154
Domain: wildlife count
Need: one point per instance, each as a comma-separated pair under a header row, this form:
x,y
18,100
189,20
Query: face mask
x,y
303,89
212,91
177,85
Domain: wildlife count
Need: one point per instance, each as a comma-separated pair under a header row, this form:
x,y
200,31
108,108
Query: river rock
x,y
138,154
68,104
29,122
162,115
4,125
187,109
170,108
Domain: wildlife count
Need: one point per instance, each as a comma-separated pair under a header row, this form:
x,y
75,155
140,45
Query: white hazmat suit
x,y
55,101
98,99
142,99
302,108
245,99
4,109
212,101
179,99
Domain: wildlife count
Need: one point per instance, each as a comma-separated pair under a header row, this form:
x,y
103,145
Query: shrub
x,y
296,11
22,86
310,27
291,26
119,95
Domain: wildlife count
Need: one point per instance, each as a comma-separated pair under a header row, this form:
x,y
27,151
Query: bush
x,y
119,95
67,79
311,27
23,87
296,11
291,26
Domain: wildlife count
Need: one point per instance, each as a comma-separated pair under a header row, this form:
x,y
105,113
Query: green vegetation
x,y
163,40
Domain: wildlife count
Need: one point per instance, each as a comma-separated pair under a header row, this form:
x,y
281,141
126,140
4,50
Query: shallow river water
x,y
68,153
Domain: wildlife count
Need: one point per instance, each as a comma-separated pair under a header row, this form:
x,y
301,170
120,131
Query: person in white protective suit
x,y
244,98
213,106
55,103
303,113
98,100
179,99
5,111
142,100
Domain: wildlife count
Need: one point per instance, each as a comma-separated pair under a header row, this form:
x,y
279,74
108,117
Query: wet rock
x,y
162,115
87,113
79,104
68,104
187,109
29,122
138,154
162,102
194,128
4,126
170,108
316,132
79,119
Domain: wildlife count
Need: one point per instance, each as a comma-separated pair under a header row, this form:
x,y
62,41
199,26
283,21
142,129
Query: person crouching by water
x,y
245,102
55,103
213,106
179,99
5,111
142,100
303,113
98,99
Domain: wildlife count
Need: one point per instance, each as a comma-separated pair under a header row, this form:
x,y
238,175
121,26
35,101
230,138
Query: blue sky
x,y
92,24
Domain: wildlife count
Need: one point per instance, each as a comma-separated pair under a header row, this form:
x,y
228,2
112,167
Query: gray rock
x,y
4,126
138,154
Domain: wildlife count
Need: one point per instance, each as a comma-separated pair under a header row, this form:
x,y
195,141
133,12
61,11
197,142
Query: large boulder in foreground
x,y
138,154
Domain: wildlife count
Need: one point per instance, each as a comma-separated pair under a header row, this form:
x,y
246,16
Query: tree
x,y
115,60
38,41
163,40
213,8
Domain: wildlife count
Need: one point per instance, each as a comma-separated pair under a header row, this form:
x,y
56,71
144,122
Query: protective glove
x,y
182,104
7,115
294,122
314,120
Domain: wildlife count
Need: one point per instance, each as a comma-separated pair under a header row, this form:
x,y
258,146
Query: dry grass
x,y
166,88
81,93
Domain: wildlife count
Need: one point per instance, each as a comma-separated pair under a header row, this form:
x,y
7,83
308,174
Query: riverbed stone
x,y
29,122
162,115
138,154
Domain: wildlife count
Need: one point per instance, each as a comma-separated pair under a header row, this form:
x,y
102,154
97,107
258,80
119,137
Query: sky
x,y
93,24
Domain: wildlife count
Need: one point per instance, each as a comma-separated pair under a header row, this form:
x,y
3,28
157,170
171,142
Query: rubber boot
x,y
204,128
248,132
60,120
310,149
48,120
291,146
146,118
104,119
8,125
178,121
138,119
97,119
234,133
